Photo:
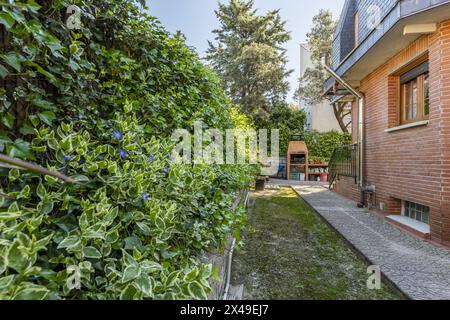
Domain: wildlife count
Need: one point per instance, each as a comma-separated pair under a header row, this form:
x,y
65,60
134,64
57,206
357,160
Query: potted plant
x,y
324,177
260,183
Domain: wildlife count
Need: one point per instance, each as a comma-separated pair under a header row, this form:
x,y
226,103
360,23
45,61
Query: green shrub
x,y
288,120
322,145
99,105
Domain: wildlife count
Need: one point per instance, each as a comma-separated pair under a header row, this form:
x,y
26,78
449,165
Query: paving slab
x,y
418,268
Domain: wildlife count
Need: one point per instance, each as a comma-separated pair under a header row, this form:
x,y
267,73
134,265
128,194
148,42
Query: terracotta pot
x,y
324,177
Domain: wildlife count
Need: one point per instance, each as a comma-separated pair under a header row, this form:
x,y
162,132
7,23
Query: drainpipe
x,y
360,99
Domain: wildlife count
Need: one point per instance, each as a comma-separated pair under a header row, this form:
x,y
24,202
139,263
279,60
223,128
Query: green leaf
x,y
6,20
207,271
69,242
8,120
5,282
3,141
17,258
171,278
26,129
12,214
145,285
112,237
151,266
6,216
191,275
129,293
3,71
45,37
92,253
43,104
47,117
14,174
132,242
30,291
45,206
13,59
53,44
25,193
196,291
110,216
41,70
20,149
53,143
66,143
112,168
39,148
91,234
34,119
42,243
131,272
51,180
80,178
128,259
33,224
67,223
40,191
215,273
144,228
160,223
92,168
32,6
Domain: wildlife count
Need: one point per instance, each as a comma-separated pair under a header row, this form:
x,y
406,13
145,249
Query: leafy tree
x,y
321,35
249,57
311,84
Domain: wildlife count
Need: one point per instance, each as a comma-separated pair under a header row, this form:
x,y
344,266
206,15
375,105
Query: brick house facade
x,y
406,157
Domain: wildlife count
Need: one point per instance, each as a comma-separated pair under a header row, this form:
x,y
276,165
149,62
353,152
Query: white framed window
x,y
416,211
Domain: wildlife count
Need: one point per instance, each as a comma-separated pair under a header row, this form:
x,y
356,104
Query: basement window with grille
x,y
416,211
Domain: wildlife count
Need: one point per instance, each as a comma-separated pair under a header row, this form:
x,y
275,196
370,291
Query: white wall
x,y
320,117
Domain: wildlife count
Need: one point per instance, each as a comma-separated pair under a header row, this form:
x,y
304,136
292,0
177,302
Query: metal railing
x,y
344,162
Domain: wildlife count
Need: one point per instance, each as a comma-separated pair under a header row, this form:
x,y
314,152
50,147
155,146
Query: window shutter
x,y
414,73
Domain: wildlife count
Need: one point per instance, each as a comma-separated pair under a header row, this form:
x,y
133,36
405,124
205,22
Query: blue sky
x,y
196,19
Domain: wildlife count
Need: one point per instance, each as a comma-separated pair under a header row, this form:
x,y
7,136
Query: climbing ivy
x,y
99,104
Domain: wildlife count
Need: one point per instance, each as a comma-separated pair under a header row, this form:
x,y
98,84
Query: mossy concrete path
x,y
289,252
420,269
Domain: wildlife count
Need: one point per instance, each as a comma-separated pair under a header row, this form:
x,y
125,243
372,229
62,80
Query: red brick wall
x,y
346,186
442,56
411,164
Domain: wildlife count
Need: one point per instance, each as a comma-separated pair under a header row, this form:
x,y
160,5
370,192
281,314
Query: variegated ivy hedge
x,y
98,104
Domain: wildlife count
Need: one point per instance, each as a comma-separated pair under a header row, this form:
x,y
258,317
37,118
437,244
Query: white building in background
x,y
320,117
